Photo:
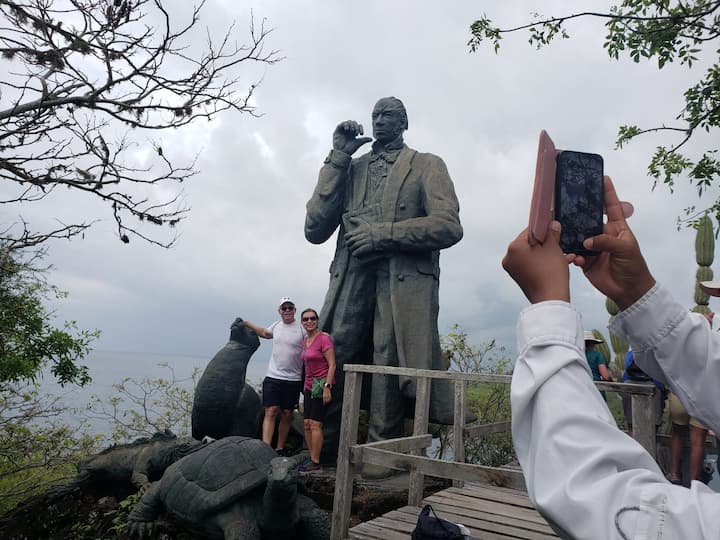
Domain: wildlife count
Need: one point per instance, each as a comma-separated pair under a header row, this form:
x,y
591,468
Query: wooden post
x,y
420,427
345,468
643,420
459,427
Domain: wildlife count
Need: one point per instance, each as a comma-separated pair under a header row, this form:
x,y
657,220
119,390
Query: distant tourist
x,y
283,382
633,374
589,479
596,360
685,427
319,359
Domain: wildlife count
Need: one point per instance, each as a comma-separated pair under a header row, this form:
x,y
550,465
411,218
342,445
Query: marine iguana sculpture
x,y
138,462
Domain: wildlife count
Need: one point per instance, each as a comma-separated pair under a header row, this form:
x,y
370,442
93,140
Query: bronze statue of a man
x,y
396,209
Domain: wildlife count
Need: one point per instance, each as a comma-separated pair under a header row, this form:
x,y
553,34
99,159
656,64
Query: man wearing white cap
x,y
283,383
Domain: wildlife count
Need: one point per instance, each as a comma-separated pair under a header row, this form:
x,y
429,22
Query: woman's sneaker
x,y
309,467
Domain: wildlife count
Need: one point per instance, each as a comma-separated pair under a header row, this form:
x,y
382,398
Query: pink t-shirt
x,y
314,359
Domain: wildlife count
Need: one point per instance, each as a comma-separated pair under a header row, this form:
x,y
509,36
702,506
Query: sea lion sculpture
x,y
224,404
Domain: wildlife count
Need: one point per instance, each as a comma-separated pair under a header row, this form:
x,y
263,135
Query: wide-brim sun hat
x,y
711,287
588,335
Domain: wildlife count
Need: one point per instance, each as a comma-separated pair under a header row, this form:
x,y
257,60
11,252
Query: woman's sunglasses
x,y
308,319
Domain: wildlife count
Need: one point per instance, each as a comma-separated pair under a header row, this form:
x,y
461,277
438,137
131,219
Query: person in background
x,y
585,476
283,383
683,425
596,360
633,374
319,359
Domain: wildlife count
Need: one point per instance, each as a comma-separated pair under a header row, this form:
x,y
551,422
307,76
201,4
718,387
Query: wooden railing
x,y
408,453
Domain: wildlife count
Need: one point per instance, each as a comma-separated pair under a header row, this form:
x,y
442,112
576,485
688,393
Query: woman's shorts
x,y
280,393
314,407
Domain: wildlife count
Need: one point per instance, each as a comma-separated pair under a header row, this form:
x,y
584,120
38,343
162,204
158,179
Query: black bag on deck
x,y
434,528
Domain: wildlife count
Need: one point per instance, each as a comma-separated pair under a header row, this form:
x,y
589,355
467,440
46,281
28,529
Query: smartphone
x,y
578,198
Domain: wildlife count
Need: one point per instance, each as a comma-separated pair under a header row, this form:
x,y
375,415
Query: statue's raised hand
x,y
346,137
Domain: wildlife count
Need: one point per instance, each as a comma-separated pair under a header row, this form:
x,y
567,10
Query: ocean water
x,y
111,367
108,368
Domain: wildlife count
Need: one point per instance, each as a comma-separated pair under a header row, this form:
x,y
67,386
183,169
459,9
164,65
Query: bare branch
x,y
79,72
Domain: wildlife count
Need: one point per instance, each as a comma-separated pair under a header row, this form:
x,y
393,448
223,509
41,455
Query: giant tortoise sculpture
x,y
236,488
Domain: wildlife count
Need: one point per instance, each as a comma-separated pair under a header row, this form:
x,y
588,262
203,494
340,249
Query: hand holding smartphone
x,y
569,188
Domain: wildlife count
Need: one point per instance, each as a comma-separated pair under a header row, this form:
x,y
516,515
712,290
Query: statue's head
x,y
243,335
389,119
283,476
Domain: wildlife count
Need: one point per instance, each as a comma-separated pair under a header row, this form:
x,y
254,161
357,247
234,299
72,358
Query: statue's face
x,y
242,334
387,121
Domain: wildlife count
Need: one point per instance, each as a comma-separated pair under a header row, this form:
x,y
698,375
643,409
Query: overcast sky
x,y
242,246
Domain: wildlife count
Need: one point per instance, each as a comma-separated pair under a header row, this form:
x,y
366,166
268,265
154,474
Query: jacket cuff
x,y
645,323
338,159
550,322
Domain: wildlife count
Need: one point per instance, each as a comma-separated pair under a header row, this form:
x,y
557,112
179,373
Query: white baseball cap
x,y
286,300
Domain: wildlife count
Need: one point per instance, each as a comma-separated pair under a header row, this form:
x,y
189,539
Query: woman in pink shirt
x,y
319,359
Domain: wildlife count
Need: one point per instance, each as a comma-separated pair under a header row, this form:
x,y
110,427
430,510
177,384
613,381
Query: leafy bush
x,y
142,407
489,401
38,448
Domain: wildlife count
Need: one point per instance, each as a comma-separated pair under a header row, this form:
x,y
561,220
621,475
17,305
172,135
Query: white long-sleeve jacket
x,y
678,348
586,477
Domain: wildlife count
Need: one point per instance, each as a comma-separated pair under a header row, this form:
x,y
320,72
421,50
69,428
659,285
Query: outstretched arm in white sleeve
x,y
589,480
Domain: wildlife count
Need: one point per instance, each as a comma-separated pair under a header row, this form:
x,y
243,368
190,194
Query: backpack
x,y
435,528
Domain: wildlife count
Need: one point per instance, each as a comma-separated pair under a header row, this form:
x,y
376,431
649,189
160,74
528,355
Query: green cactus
x,y
704,242
619,346
701,297
602,347
611,306
704,255
704,273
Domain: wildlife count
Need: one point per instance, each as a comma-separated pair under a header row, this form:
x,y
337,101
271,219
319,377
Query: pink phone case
x,y
543,197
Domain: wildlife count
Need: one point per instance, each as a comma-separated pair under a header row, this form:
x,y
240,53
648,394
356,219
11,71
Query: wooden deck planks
x,y
486,506
490,512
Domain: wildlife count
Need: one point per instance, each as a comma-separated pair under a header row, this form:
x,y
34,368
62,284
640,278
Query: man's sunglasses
x,y
287,308
308,319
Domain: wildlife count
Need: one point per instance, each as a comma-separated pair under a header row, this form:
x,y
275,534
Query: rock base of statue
x,y
88,511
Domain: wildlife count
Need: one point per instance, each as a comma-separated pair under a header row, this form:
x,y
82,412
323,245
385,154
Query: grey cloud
x,y
242,246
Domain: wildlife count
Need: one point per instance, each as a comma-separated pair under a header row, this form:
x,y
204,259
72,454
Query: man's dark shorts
x,y
314,408
280,393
